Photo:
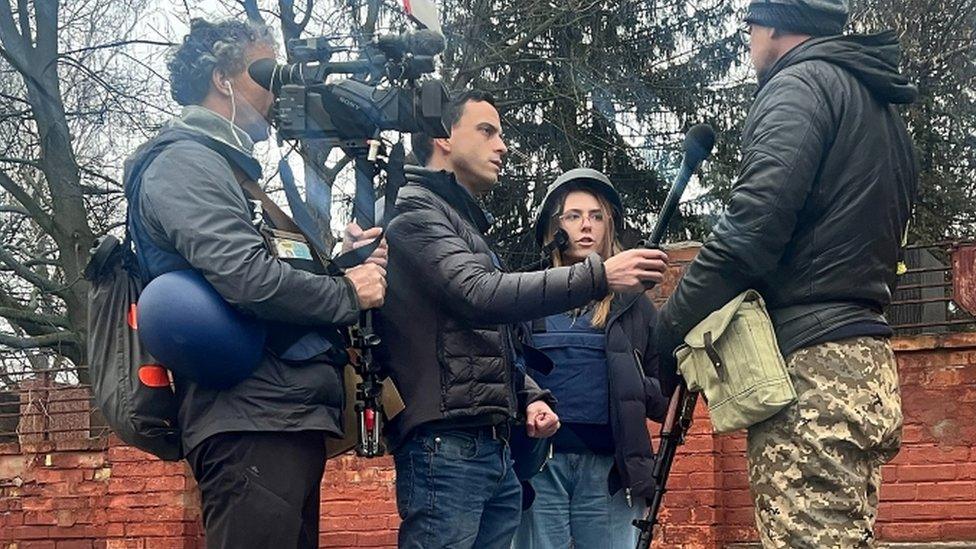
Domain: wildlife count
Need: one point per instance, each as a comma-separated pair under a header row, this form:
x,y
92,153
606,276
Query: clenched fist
x,y
540,420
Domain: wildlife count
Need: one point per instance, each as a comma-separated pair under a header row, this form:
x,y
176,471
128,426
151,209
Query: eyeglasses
x,y
576,218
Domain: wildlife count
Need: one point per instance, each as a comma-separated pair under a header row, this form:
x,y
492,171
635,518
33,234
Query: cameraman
x,y
448,345
257,449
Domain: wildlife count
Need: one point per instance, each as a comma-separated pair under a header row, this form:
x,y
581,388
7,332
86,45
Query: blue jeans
x,y
572,505
456,489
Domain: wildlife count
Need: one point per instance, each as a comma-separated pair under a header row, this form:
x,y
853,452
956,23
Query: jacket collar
x,y
445,185
217,133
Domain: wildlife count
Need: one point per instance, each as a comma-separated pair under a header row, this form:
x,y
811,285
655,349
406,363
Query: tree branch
x,y
27,201
23,13
464,75
44,284
55,339
13,46
118,44
46,19
252,11
23,315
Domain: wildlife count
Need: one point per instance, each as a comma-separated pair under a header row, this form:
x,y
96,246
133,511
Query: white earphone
x,y
233,113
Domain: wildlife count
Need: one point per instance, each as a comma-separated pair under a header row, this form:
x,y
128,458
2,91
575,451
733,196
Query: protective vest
x,y
579,379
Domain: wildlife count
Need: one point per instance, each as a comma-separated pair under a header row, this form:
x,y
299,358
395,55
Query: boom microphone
x,y
697,146
421,42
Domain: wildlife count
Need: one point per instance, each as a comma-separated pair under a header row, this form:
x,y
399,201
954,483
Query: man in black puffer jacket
x,y
448,345
823,198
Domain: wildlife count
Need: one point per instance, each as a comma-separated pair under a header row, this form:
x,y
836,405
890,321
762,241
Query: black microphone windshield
x,y
698,144
262,71
426,42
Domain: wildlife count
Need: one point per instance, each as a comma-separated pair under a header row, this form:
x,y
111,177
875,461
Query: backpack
x,y
133,391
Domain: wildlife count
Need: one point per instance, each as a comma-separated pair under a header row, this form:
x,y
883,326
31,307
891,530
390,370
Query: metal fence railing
x,y
51,404
924,301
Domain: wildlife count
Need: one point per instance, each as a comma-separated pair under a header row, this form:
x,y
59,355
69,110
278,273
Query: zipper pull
x,y
630,501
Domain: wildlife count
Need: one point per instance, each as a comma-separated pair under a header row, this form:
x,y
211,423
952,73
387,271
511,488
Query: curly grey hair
x,y
222,45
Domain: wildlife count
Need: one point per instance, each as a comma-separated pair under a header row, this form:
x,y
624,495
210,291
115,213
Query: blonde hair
x,y
608,248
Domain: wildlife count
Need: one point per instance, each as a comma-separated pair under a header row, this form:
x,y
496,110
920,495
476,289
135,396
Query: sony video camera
x,y
383,92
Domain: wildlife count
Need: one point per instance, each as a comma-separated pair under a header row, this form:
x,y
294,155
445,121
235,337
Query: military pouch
x,y
733,358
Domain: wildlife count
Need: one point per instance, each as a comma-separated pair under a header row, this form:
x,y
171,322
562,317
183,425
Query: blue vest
x,y
579,379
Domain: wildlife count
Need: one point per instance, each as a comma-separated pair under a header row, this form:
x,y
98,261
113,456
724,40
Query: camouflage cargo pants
x,y
815,467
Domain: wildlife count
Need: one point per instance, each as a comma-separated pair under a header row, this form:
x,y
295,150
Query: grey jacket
x,y
447,342
823,198
192,205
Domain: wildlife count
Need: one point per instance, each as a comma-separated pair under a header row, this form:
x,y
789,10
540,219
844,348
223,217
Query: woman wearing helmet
x,y
605,381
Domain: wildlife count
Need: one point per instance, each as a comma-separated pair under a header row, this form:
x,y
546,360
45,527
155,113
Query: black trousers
x,y
260,489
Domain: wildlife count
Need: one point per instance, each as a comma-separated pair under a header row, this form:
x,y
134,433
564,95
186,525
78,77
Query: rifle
x,y
676,425
697,146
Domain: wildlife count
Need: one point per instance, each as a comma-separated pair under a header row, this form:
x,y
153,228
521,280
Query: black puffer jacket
x,y
824,194
635,392
444,326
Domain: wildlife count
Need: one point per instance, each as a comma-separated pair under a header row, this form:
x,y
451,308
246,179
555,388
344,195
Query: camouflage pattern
x,y
815,467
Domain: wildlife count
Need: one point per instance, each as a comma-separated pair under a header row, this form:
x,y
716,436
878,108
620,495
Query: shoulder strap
x,y
278,217
134,185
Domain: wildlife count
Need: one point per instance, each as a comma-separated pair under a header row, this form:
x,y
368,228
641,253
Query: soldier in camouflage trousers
x,y
814,223
809,462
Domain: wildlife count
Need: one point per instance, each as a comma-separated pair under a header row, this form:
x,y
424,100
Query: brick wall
x,y
81,493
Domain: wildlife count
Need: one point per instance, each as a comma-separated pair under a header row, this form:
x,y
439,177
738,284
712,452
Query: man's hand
x,y
635,270
540,420
354,237
369,280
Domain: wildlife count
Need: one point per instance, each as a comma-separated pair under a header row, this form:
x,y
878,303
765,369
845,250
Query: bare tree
x,y
75,88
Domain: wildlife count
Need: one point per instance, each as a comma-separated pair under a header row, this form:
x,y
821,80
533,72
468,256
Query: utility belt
x,y
500,431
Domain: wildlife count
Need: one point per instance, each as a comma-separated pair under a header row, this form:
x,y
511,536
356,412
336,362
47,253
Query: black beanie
x,y
813,17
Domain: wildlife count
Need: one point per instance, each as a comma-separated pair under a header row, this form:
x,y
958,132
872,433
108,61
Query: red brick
x,y
126,485
166,543
947,491
377,539
957,530
75,544
145,469
84,460
10,519
77,531
155,529
125,544
338,539
52,475
908,531
128,453
40,518
135,501
37,544
922,473
899,492
18,533
168,483
933,454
